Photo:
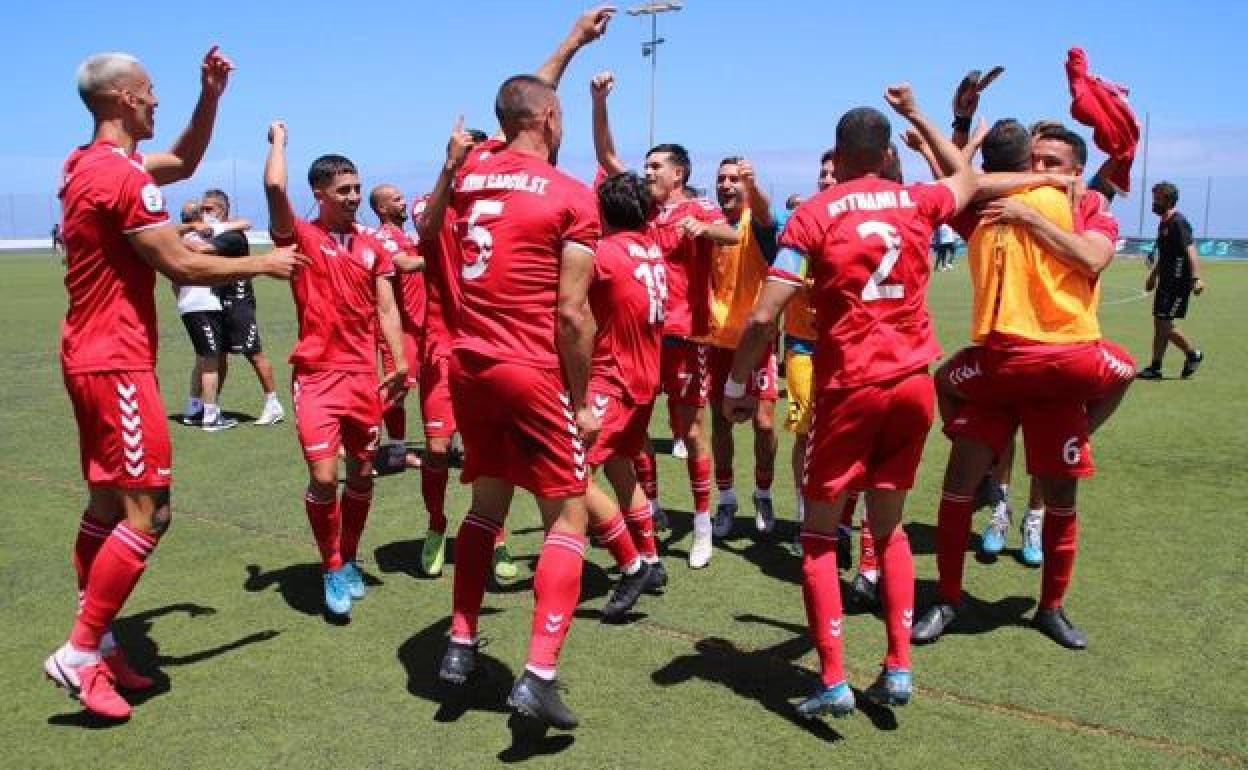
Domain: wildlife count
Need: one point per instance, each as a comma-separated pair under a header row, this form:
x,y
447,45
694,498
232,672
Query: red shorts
x,y
334,408
762,383
518,426
869,437
1010,376
435,392
624,424
684,372
411,352
123,436
1042,388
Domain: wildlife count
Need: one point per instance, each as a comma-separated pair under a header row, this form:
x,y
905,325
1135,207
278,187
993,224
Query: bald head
x,y
387,203
520,100
103,72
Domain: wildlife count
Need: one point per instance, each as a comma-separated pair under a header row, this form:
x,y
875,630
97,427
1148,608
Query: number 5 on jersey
x,y
478,241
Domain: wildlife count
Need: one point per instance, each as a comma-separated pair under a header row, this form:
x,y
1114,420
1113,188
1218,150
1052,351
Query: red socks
x,y
647,475
474,545
821,591
641,526
1060,539
556,588
897,593
700,483
326,523
355,506
613,535
395,419
433,490
91,536
953,527
114,573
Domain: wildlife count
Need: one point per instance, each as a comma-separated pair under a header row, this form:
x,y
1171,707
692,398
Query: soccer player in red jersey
x,y
628,297
117,236
341,297
388,203
866,241
521,349
687,230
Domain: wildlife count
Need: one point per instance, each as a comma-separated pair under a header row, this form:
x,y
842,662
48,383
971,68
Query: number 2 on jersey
x,y
876,288
479,236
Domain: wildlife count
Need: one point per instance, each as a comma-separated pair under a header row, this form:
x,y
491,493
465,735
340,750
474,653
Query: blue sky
x,y
382,84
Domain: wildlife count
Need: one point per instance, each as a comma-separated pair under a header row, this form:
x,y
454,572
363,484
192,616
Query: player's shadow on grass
x,y
767,552
242,417
767,676
301,586
486,690
976,616
679,526
133,634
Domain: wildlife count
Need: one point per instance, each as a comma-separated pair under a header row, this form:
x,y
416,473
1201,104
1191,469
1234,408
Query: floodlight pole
x,y
650,48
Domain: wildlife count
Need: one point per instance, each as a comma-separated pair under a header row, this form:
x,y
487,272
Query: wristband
x,y
962,123
733,389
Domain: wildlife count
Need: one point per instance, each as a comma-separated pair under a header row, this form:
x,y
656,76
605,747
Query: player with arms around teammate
x,y
118,235
1175,277
866,240
341,298
687,230
628,297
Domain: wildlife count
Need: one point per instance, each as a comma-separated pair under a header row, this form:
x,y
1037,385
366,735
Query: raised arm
x,y
604,144
756,198
432,218
588,27
180,161
914,141
962,180
576,329
161,248
281,214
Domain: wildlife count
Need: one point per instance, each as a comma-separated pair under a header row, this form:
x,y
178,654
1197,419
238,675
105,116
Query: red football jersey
x,y
336,296
688,265
514,213
628,299
1092,215
111,323
866,242
409,288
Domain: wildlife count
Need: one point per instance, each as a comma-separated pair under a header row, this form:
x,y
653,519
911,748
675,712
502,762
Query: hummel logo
x,y
566,399
578,445
580,473
131,424
602,401
907,617
834,627
128,407
134,455
578,458
126,391
568,414
317,447
135,470
553,622
132,439
164,471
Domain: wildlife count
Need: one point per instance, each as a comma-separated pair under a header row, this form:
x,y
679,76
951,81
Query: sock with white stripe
x,y
114,573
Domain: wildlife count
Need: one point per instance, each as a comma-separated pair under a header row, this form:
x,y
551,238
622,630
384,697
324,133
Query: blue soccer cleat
x,y
354,579
337,594
837,700
891,688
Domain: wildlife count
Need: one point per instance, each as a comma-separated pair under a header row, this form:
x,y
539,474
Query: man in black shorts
x,y
201,314
1175,277
238,305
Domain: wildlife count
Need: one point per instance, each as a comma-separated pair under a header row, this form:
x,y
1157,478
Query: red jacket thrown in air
x,y
1102,106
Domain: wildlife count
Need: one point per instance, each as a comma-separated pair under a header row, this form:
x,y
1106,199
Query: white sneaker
x,y
272,414
701,549
679,450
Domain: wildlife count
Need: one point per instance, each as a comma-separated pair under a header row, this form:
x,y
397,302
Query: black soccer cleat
x,y
933,623
1192,363
1054,624
627,592
656,578
865,592
458,663
1149,373
538,699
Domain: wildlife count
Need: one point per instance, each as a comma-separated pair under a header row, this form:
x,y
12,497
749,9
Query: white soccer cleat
x,y
701,549
679,450
272,414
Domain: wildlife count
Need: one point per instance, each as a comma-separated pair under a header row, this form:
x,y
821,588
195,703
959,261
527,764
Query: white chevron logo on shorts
x,y
128,407
578,458
135,470
132,439
580,473
578,445
566,399
131,424
601,400
134,455
553,622
834,627
126,391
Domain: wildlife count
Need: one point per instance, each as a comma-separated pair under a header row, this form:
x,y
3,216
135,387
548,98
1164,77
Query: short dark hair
x,y
190,212
862,138
731,160
220,195
325,168
477,135
680,157
1168,192
624,201
519,98
1060,133
1007,146
892,168
829,155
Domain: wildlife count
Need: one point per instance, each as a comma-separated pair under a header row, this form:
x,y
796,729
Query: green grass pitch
x,y
252,677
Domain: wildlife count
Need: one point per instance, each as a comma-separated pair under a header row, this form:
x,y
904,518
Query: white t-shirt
x,y
196,299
